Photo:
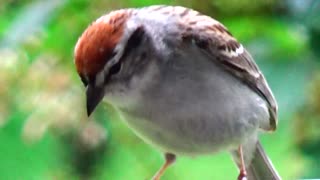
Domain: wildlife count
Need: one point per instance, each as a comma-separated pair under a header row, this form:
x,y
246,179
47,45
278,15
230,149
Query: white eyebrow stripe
x,y
119,50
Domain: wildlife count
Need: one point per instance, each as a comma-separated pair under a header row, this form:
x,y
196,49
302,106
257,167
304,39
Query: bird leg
x,y
243,172
170,159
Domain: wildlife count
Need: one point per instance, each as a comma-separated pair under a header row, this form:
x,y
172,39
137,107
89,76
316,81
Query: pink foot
x,y
242,176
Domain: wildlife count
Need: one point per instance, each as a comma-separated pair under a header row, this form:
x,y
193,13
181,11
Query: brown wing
x,y
215,40
244,68
224,48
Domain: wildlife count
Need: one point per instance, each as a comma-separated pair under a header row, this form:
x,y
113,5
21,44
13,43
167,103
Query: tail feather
x,y
258,165
261,167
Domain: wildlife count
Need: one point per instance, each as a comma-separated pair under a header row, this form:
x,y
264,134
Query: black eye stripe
x,y
132,43
134,40
115,68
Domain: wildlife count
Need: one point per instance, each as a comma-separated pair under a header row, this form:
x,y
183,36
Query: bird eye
x,y
115,68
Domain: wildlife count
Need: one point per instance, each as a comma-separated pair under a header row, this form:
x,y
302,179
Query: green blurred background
x,y
44,132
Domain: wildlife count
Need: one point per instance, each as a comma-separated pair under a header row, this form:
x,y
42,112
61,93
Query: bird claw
x,y
242,176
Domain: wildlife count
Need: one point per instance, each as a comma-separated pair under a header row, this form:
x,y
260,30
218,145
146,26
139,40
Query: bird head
x,y
99,53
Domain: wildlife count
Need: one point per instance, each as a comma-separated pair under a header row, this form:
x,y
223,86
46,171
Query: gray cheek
x,y
114,91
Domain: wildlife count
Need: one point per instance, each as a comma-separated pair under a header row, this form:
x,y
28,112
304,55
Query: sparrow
x,y
181,82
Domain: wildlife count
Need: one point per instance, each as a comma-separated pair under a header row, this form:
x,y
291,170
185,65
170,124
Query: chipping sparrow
x,y
182,83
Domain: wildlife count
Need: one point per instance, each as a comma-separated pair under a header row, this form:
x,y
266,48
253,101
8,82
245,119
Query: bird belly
x,y
197,115
190,136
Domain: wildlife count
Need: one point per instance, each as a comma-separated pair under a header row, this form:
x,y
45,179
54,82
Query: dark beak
x,y
94,96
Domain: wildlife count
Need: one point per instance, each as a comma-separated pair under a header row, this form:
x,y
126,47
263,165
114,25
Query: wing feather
x,y
240,64
215,40
219,44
